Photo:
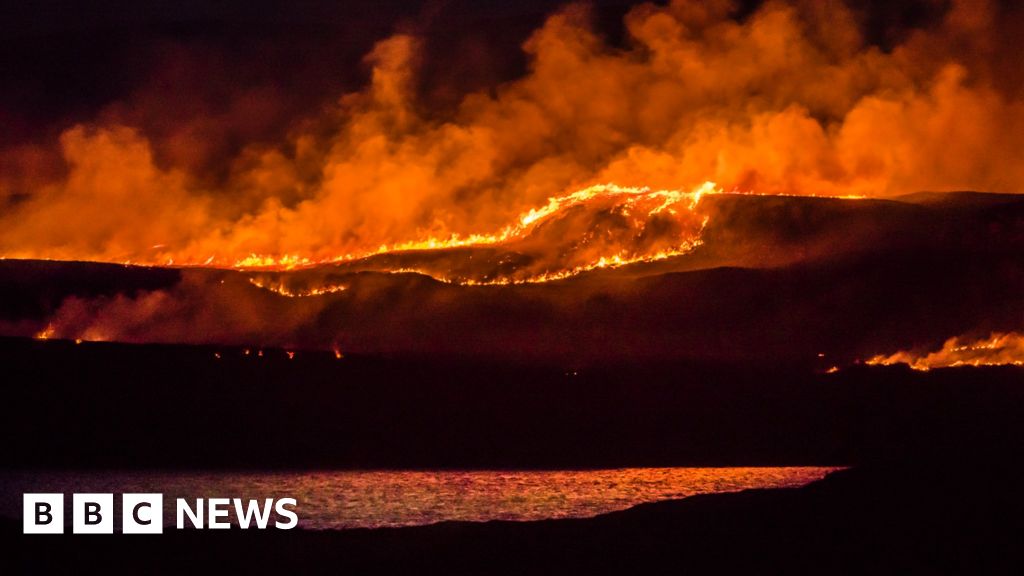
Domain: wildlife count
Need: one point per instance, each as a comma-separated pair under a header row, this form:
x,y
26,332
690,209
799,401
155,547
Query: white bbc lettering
x,y
92,514
293,518
43,514
248,513
218,509
262,515
142,513
195,516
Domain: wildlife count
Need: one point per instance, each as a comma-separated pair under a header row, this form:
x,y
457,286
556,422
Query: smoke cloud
x,y
790,99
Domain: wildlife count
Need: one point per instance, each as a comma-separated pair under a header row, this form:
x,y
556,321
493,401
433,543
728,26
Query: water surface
x,y
371,499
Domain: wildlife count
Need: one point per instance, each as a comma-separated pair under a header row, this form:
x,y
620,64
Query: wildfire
x,y
256,261
284,290
634,209
789,97
627,241
630,198
603,262
999,349
638,204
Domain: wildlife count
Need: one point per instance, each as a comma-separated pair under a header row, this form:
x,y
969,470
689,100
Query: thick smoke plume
x,y
791,99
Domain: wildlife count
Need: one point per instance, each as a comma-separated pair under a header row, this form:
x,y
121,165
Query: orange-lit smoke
x,y
791,99
999,349
197,310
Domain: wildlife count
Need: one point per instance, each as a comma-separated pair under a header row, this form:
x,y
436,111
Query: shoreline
x,y
410,498
906,517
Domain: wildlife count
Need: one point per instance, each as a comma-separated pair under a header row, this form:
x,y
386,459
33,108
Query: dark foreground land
x,y
955,517
720,357
935,486
109,406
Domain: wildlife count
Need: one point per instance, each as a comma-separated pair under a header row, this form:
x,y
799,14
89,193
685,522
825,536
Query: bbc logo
x,y
93,514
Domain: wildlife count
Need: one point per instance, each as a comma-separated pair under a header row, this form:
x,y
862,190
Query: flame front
x,y
792,98
596,152
611,229
999,349
284,290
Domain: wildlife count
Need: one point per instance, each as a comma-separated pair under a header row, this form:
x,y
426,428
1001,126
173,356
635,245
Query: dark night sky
x,y
64,61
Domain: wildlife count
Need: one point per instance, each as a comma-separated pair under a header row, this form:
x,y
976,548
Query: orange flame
x,y
629,198
999,349
284,290
638,207
790,99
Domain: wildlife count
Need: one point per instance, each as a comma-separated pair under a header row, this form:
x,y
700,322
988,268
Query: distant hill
x,y
771,278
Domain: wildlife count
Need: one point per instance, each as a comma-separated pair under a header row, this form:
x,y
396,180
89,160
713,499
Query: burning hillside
x,y
787,98
762,277
998,349
681,188
598,227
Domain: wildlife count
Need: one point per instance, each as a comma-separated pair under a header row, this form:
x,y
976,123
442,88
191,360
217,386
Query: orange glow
x,y
789,100
283,290
999,349
626,198
636,207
